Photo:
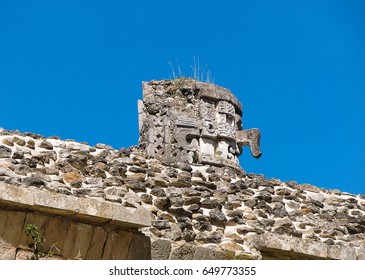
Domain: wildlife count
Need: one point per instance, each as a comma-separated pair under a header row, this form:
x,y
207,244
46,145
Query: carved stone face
x,y
189,121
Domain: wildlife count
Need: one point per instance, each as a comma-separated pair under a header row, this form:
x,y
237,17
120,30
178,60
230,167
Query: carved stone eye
x,y
211,128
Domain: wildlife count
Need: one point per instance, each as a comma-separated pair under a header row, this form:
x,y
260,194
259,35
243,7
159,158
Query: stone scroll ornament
x,y
184,120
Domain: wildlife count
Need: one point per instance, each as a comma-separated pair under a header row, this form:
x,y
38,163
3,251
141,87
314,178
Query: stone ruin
x,y
180,194
184,120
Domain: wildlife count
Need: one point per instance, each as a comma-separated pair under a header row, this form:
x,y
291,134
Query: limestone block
x,y
77,241
339,252
132,217
160,249
55,203
98,239
309,247
14,228
7,252
16,195
38,220
55,234
274,241
140,248
117,244
93,209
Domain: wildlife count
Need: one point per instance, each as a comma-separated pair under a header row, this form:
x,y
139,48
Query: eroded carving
x,y
206,128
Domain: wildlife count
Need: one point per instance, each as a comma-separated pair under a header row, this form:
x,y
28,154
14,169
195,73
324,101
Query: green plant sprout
x,y
37,244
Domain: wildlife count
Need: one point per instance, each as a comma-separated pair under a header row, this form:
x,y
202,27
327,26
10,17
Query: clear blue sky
x,y
74,69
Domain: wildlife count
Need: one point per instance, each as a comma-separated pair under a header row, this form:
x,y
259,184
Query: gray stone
x,y
179,211
136,169
174,233
33,181
188,235
146,198
217,217
5,152
136,186
45,145
160,249
184,252
265,196
210,204
161,224
161,202
5,172
159,192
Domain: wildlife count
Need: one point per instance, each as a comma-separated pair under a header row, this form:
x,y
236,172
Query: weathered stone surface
x,y
72,177
160,249
5,152
8,142
38,220
45,145
206,131
97,242
339,252
116,244
33,181
183,252
212,253
77,241
23,255
7,251
13,228
201,205
140,248
55,234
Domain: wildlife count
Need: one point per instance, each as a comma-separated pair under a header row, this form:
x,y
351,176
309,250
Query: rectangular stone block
x,y
16,195
140,248
77,241
309,247
160,249
94,210
53,203
98,239
338,252
14,228
39,221
130,216
55,234
274,241
117,244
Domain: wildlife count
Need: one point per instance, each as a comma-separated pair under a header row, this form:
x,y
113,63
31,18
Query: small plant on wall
x,y
37,244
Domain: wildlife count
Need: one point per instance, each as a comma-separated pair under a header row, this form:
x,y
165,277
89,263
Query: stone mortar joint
x,y
184,120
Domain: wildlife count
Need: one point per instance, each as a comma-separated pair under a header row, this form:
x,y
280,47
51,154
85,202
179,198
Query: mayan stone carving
x,y
188,121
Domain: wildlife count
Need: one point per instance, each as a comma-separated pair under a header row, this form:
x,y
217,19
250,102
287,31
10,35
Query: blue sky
x,y
74,69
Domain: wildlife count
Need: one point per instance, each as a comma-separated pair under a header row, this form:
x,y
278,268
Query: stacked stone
x,y
196,211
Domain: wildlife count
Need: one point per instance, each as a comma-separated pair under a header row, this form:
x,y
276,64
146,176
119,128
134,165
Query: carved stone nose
x,y
250,137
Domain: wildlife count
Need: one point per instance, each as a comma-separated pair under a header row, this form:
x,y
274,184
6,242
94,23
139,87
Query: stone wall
x,y
68,239
187,211
45,182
